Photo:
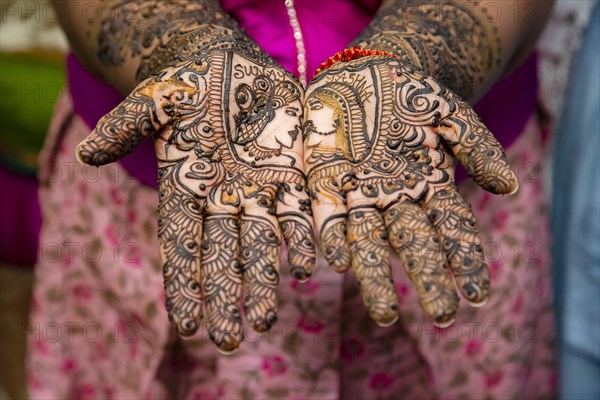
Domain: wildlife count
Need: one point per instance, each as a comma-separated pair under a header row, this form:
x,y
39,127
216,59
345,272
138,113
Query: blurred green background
x,y
31,84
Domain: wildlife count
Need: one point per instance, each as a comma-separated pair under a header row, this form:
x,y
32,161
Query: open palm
x,y
381,142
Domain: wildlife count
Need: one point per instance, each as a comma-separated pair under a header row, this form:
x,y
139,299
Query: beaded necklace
x,y
300,49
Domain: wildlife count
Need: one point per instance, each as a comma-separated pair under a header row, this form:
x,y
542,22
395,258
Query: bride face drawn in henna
x,y
325,129
396,179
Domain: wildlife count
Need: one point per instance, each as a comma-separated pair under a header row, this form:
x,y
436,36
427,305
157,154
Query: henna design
x,y
447,40
260,257
415,240
179,228
379,144
371,265
334,247
204,114
295,227
163,33
452,217
222,280
137,113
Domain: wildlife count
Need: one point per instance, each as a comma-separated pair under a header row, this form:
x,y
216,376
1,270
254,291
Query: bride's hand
x,y
227,136
381,143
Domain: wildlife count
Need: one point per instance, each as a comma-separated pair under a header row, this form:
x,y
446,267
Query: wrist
x,y
189,45
447,41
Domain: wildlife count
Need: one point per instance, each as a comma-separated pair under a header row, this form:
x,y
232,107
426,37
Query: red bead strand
x,y
351,54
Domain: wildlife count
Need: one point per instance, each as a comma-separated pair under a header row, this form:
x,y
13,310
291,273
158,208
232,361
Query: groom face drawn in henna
x,y
394,187
222,211
265,102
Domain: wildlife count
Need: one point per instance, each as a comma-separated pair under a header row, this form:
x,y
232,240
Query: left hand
x,y
381,142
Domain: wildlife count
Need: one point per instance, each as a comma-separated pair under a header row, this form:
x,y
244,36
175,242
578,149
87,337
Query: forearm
x,y
464,44
132,39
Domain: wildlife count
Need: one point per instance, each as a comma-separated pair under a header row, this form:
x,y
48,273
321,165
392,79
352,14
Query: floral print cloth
x,y
99,329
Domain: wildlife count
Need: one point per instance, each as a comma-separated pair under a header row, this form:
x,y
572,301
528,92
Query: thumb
x,y
121,130
478,150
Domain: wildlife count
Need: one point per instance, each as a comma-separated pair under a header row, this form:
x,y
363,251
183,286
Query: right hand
x,y
381,144
227,136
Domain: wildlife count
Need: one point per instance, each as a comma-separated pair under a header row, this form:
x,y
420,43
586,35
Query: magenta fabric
x,y
327,27
507,106
92,99
20,219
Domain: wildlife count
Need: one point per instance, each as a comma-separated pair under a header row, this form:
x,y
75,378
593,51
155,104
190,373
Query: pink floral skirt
x,y
99,329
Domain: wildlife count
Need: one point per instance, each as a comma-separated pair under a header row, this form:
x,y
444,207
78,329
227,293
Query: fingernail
x,y
444,324
227,352
300,274
340,268
516,189
78,155
385,324
480,304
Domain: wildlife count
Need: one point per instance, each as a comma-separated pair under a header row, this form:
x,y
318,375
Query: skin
x,y
226,125
382,137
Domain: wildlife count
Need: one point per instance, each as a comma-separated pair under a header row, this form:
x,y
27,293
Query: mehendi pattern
x,y
380,138
227,138
163,33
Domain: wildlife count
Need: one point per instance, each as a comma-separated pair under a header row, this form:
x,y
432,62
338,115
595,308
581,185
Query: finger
x,y
294,215
454,221
179,234
260,245
122,129
330,213
325,162
418,247
478,150
371,264
222,280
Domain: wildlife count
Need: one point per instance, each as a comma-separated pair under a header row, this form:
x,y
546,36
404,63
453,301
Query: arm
x,y
133,39
465,45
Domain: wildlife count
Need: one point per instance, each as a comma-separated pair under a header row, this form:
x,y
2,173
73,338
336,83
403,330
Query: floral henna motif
x,y
223,205
179,227
453,219
371,265
379,144
261,247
